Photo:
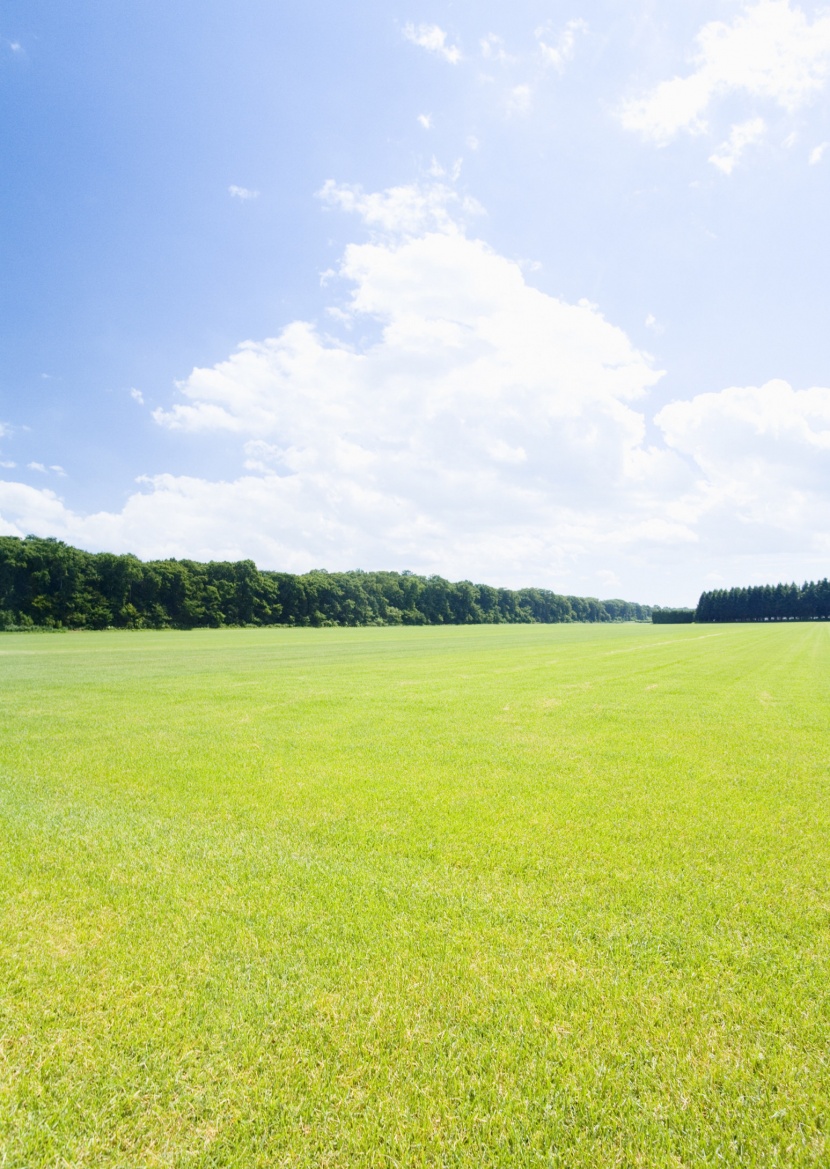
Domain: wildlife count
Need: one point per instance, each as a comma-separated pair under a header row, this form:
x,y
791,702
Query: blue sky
x,y
528,293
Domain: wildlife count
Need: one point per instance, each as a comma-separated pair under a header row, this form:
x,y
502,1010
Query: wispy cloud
x,y
137,396
520,99
492,49
562,49
817,153
652,323
744,134
425,120
434,39
242,192
770,50
41,468
404,211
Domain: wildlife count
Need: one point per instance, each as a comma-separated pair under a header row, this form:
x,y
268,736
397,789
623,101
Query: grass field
x,y
514,896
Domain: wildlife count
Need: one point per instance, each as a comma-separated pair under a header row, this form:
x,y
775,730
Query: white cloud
x,y
243,193
473,142
25,509
445,302
769,51
562,50
488,428
609,578
817,153
762,454
263,456
425,120
481,429
728,154
434,39
654,325
408,210
717,427
137,396
520,99
41,468
6,463
492,49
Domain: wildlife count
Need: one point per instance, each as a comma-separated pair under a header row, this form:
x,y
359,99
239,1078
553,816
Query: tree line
x,y
672,616
781,602
47,584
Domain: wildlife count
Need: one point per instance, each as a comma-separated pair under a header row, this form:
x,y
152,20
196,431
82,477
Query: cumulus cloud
x,y
744,134
485,427
25,509
763,453
772,421
434,40
480,427
561,50
770,50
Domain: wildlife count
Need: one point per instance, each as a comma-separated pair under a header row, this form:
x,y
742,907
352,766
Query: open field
x,y
514,896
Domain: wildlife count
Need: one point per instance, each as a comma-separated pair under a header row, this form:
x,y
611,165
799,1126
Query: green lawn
x,y
514,896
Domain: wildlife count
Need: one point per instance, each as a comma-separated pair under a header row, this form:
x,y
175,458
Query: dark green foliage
x,y
47,584
672,616
782,602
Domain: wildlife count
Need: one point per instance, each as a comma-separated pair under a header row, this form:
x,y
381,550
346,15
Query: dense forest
x,y
48,584
782,602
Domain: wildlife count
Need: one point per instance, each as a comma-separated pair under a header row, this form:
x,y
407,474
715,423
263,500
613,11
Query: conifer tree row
x,y
782,602
48,584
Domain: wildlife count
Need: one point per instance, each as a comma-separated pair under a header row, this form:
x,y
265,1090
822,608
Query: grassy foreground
x,y
514,896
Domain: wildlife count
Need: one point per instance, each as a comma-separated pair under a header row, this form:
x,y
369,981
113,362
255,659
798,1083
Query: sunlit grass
x,y
395,897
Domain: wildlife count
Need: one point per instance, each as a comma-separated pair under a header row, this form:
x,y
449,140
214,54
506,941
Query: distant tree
x,y
47,584
781,602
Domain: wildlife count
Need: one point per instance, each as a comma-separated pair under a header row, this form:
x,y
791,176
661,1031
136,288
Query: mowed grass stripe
x,y
472,896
